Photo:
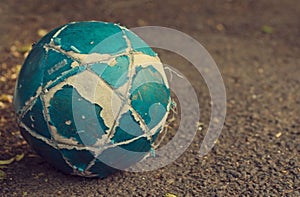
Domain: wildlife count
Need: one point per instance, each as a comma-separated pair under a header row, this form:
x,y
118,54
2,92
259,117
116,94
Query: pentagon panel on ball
x,y
91,98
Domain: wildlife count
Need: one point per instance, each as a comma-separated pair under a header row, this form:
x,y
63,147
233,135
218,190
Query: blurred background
x,y
256,46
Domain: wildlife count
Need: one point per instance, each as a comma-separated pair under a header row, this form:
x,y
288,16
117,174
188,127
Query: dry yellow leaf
x,y
42,32
6,162
2,174
170,195
6,98
19,157
25,48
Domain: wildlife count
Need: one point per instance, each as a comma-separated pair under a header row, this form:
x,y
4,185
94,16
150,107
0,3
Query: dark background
x,y
256,45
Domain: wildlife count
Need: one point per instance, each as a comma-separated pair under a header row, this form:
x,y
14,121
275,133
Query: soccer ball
x,y
91,98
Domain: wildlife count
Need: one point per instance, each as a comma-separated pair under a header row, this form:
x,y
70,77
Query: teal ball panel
x,y
91,98
89,34
115,76
48,152
64,115
30,77
35,120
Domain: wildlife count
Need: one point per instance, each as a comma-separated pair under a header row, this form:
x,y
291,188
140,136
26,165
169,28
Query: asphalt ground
x,y
256,46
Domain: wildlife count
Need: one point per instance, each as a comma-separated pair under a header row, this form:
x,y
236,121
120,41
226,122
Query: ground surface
x,y
258,152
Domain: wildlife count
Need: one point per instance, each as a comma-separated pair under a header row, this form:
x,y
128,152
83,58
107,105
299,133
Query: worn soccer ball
x,y
91,98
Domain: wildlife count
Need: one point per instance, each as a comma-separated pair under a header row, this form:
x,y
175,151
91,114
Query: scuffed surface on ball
x,y
91,98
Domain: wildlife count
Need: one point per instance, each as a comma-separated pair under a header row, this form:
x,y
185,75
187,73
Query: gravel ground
x,y
256,45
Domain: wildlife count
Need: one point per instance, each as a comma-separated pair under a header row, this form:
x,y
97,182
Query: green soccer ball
x,y
91,98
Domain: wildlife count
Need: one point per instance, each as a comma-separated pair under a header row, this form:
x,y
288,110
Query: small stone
x,y
278,134
170,181
260,71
